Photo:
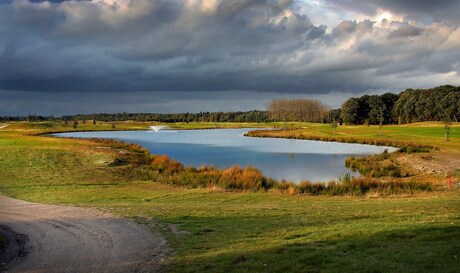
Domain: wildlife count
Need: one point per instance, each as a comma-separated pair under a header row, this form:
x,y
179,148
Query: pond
x,y
288,159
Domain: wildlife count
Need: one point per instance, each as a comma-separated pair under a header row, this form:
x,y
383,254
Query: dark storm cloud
x,y
149,45
69,103
116,48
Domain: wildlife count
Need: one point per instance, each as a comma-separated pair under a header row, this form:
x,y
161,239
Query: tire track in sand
x,y
71,239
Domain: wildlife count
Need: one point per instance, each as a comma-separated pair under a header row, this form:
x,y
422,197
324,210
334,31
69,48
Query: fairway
x,y
244,135
217,231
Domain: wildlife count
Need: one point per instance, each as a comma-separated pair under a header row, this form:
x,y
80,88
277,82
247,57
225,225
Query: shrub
x,y
229,178
285,187
235,178
375,166
306,187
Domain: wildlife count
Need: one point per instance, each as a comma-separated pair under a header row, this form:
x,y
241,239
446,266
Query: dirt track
x,y
69,239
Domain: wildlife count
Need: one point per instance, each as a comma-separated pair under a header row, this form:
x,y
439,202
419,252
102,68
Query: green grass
x,y
431,133
48,126
273,232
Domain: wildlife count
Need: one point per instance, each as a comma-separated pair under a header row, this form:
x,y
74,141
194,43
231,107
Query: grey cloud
x,y
90,48
365,26
348,27
345,27
89,43
406,31
316,32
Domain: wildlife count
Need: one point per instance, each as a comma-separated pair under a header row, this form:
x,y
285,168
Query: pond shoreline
x,y
280,159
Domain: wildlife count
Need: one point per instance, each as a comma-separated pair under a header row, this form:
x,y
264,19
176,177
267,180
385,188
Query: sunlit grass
x,y
273,232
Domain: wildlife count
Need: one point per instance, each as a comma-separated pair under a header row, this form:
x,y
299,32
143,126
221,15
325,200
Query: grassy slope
x,y
274,233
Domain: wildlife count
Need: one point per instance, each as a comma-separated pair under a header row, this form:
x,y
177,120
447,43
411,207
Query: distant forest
x,y
249,116
412,105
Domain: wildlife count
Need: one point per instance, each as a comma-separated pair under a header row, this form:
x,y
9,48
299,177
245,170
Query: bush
x,y
163,164
285,187
235,178
306,187
375,166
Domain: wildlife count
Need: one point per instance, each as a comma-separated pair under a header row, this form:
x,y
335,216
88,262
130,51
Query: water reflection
x,y
278,158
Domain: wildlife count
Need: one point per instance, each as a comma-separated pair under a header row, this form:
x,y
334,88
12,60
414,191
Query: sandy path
x,y
3,125
69,239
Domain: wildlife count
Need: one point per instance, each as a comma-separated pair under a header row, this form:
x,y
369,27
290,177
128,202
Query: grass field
x,y
422,133
217,231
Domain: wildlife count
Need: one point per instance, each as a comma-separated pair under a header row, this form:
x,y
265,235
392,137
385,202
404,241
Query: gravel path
x,y
70,239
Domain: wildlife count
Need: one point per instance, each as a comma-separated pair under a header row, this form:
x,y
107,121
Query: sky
x,y
91,56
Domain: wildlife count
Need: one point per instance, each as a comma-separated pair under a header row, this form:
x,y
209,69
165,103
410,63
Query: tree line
x,y
412,105
248,116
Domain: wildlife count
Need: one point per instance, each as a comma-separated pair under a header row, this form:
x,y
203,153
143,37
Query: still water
x,y
278,158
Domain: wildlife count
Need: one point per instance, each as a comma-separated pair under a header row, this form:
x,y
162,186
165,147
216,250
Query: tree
x,y
381,119
113,125
335,114
377,109
364,109
447,125
333,125
75,124
94,121
350,111
447,130
449,105
305,110
389,100
404,108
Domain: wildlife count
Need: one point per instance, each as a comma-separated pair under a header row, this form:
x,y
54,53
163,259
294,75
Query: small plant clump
x,y
375,166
